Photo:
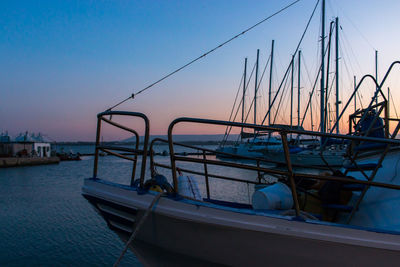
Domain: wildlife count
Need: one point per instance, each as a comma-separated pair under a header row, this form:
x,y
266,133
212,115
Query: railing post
x,y
96,153
386,119
172,157
258,171
290,172
206,174
145,148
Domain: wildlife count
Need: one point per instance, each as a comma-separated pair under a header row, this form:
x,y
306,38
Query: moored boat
x,y
217,230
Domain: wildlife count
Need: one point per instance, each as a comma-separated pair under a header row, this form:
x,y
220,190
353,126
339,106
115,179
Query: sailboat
x,y
303,152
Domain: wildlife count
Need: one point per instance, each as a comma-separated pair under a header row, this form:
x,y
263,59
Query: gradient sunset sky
x,y
62,62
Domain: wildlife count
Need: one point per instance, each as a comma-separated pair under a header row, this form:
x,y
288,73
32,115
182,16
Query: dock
x,y
27,161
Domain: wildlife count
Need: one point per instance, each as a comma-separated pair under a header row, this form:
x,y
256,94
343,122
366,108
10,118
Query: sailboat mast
x,y
312,124
376,75
327,75
291,95
355,95
244,91
270,83
337,72
388,104
298,91
255,90
322,98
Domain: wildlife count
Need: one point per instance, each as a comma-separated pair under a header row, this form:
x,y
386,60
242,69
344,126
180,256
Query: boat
x,y
300,218
302,154
251,147
71,156
211,215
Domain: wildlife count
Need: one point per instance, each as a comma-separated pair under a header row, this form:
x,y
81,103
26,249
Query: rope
x,y
156,198
205,54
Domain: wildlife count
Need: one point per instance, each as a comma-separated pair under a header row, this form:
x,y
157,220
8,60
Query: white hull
x,y
221,235
241,150
308,158
275,154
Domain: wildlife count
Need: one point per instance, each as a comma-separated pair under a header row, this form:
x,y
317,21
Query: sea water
x,y
44,219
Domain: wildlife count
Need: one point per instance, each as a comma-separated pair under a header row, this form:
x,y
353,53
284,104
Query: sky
x,y
62,62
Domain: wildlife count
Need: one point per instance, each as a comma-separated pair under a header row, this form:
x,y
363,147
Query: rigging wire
x,y
258,85
307,71
241,101
295,52
233,109
280,100
346,40
346,55
203,55
315,84
391,96
354,25
262,76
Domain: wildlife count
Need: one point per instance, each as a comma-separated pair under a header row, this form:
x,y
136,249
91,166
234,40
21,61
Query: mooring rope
x,y
132,237
203,55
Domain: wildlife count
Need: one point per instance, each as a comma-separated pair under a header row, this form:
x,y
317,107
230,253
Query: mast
x,y
327,76
298,91
329,118
270,83
355,95
291,95
376,75
337,72
255,90
312,124
388,98
244,92
322,98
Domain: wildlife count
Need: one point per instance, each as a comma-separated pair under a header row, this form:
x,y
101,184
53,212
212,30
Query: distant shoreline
x,y
213,139
80,143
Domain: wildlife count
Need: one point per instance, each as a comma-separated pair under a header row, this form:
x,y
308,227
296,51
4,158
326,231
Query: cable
x,y
391,96
288,68
233,109
205,54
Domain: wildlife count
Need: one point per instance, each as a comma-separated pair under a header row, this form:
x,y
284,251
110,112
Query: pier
x,y
27,161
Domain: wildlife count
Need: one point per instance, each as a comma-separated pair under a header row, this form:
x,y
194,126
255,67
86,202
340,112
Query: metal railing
x,y
114,150
290,174
206,162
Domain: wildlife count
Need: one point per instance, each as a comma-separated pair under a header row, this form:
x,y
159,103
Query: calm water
x,y
46,221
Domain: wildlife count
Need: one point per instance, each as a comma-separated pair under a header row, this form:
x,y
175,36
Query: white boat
x,y
211,230
221,235
305,218
252,147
